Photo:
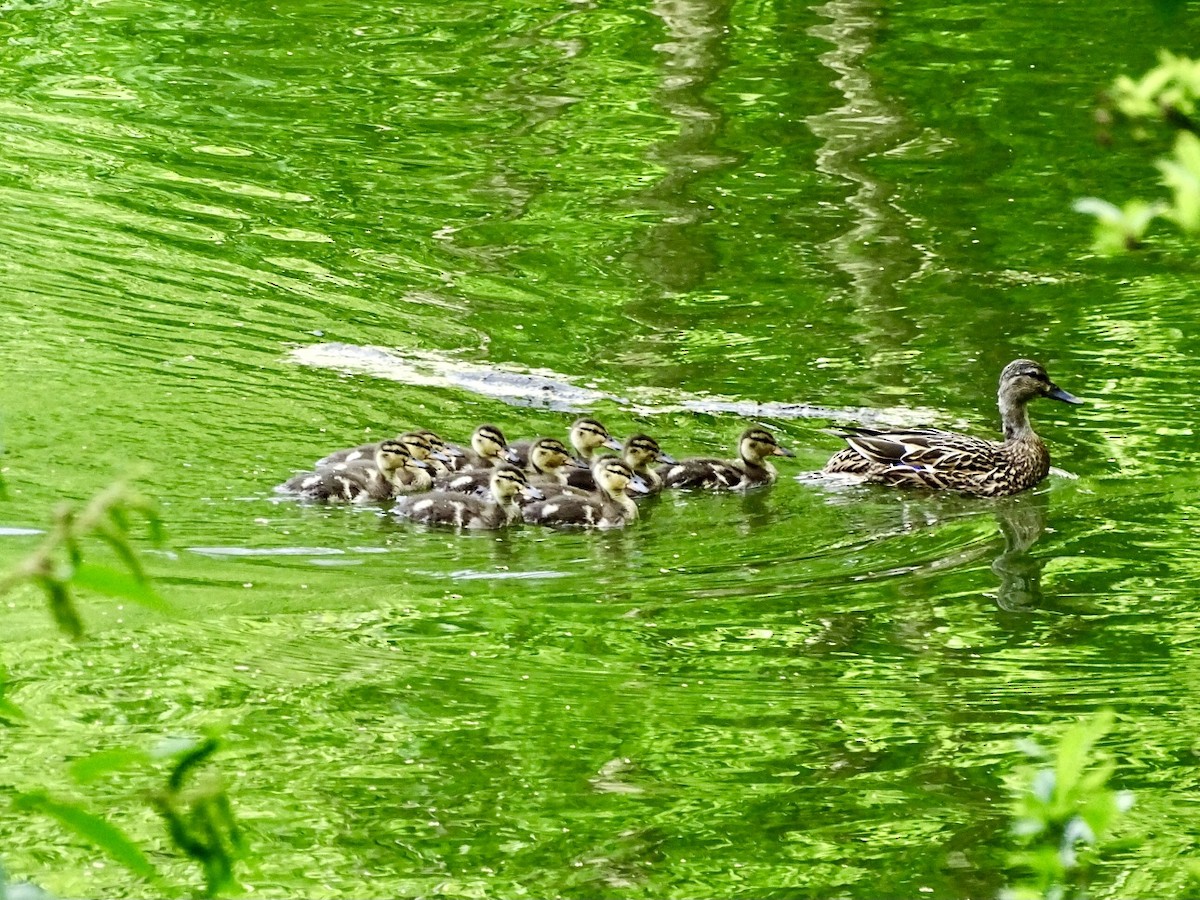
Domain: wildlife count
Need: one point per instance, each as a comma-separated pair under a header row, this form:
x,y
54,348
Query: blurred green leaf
x,y
10,711
62,608
92,828
95,766
115,583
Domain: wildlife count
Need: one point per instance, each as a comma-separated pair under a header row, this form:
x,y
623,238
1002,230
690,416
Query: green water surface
x,y
849,212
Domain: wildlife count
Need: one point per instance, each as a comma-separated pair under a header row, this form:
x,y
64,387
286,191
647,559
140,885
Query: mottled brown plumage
x,y
506,484
948,461
750,469
392,472
608,507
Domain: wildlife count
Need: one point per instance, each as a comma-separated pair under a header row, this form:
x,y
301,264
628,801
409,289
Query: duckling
x,y
751,468
639,453
488,450
506,484
608,507
422,443
393,471
948,461
547,459
586,436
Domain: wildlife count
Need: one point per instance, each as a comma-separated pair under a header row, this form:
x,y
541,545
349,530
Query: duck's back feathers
x,y
457,510
352,482
702,473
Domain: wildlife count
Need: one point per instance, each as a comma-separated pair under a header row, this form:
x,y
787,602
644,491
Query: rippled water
x,y
239,237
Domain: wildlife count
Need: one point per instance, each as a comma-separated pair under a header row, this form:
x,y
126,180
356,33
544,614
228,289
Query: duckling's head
x,y
548,454
588,436
756,444
509,481
417,443
391,456
641,450
1023,379
439,449
489,442
613,476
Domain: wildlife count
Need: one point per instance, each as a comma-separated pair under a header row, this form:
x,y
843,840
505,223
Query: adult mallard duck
x,y
640,453
586,436
750,469
947,461
547,459
608,507
506,483
392,472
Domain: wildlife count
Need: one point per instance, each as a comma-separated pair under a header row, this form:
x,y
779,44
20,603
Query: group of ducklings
x,y
492,483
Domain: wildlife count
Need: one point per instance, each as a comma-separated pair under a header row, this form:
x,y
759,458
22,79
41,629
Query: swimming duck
x,y
608,507
506,484
639,453
488,450
422,443
750,469
548,458
392,472
586,436
947,461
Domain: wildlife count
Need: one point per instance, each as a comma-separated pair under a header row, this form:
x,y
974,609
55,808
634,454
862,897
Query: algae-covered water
x,y
237,236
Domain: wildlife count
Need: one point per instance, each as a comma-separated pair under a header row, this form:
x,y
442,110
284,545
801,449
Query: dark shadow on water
x,y
1022,522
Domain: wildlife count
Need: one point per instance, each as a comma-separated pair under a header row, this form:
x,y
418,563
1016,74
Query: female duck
x,y
506,483
947,461
640,453
609,507
586,436
394,471
548,458
751,468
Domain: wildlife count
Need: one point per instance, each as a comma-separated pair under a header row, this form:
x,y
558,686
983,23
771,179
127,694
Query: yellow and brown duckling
x,y
641,453
548,458
506,484
608,507
948,461
488,449
422,443
586,436
751,469
392,472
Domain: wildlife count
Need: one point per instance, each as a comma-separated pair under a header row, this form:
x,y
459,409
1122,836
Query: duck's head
x,y
394,455
417,443
1023,379
439,449
756,444
508,481
641,451
613,476
489,442
548,454
588,436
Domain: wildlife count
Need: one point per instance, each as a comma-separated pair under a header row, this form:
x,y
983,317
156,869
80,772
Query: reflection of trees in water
x,y
1022,521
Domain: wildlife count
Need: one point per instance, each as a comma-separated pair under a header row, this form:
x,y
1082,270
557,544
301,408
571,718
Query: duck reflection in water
x,y
1022,521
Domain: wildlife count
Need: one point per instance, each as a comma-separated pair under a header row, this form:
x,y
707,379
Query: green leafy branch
x,y
1170,94
1063,812
57,565
199,819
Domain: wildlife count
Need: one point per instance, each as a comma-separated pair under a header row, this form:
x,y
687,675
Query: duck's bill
x,y
442,455
666,458
1057,393
420,464
639,485
511,456
612,444
576,463
782,451
529,492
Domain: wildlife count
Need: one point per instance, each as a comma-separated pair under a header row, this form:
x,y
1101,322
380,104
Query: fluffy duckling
x,y
608,507
488,450
948,461
422,443
640,452
750,469
393,471
506,484
586,436
548,458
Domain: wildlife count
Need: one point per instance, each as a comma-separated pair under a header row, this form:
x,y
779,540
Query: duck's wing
x,y
706,474
350,454
925,448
